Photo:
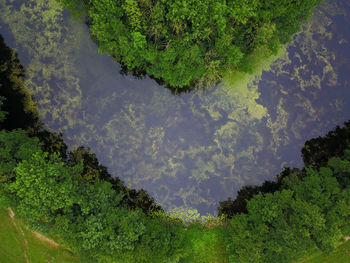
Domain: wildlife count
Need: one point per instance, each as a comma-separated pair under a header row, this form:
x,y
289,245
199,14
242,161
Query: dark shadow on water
x,y
141,74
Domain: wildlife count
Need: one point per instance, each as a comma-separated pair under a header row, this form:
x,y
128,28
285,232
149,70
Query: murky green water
x,y
195,149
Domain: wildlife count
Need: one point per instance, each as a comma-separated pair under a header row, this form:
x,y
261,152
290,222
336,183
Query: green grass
x,y
18,244
205,245
340,255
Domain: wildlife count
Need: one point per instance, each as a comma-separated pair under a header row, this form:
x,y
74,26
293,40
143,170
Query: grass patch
x,y
205,245
18,244
340,255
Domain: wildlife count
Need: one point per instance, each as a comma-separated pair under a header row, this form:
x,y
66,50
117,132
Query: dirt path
x,y
346,239
45,239
20,230
38,235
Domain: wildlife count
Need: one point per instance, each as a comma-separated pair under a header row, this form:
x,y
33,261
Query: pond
x,y
195,149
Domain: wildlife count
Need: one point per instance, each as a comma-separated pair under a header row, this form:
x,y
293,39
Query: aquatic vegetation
x,y
40,33
74,199
308,212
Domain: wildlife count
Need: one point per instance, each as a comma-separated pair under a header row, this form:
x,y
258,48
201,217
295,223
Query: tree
x,y
44,187
312,211
321,189
94,172
277,228
317,151
15,146
52,142
341,169
103,227
230,207
189,43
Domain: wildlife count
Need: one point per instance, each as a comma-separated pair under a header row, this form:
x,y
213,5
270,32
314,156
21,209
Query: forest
x,y
71,197
190,43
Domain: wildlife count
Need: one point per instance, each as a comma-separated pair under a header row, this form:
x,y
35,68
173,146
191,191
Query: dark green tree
x,y
231,207
189,43
19,104
317,151
94,172
52,142
15,146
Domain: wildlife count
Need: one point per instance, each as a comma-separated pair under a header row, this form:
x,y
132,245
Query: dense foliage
x,y
317,151
231,207
288,225
53,197
189,43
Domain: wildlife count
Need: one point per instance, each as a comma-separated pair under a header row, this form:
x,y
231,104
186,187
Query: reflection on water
x,y
195,149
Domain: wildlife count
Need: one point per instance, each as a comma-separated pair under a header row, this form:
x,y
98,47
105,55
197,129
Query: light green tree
x,y
44,187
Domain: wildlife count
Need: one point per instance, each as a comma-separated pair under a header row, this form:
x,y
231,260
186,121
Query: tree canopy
x,y
317,151
43,187
189,43
286,226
